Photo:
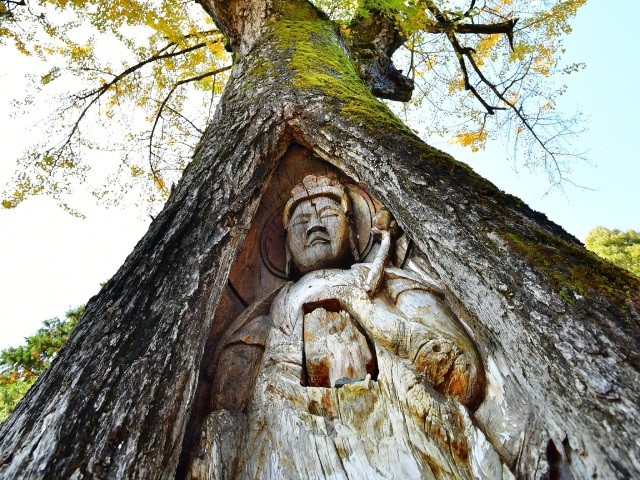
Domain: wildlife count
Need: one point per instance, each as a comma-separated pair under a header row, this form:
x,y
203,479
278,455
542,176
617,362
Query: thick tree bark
x,y
556,328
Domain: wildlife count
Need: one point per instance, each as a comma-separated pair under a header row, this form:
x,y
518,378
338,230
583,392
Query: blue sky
x,y
51,261
604,34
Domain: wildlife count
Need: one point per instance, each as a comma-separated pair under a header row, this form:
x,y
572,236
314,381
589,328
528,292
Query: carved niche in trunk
x,y
334,352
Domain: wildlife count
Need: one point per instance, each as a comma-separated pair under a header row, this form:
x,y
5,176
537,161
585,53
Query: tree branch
x,y
467,14
461,53
179,114
164,103
102,89
99,92
505,28
376,37
446,25
467,53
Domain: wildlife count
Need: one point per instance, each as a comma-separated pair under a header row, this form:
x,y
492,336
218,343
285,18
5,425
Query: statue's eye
x,y
300,220
329,213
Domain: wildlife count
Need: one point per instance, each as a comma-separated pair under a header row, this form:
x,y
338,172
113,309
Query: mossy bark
x,y
557,327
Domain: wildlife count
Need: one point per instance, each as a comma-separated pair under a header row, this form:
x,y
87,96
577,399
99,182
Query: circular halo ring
x,y
273,236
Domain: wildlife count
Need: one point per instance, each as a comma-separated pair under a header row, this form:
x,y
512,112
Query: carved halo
x,y
273,237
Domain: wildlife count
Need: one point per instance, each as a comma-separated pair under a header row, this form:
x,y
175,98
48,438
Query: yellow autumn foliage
x,y
475,140
156,49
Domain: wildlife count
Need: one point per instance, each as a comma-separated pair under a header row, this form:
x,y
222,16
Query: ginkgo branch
x,y
158,115
97,93
467,62
505,27
179,114
530,126
154,58
470,9
446,25
461,53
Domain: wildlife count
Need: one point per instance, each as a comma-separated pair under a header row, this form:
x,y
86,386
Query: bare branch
x,y
435,11
102,89
461,53
480,85
179,114
468,12
446,25
512,105
466,54
164,103
505,28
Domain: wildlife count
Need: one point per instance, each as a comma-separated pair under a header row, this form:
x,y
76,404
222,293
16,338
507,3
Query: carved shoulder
x,y
238,356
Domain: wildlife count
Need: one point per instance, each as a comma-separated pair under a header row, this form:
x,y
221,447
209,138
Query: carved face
x,y
318,235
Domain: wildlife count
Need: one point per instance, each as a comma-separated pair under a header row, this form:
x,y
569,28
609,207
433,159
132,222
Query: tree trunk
x,y
557,328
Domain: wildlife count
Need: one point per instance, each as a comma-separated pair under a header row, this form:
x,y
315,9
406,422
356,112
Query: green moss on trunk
x,y
318,60
573,269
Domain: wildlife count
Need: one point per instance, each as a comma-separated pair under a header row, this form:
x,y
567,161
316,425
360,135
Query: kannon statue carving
x,y
353,368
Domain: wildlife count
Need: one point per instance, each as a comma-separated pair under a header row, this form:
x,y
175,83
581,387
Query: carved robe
x,y
404,382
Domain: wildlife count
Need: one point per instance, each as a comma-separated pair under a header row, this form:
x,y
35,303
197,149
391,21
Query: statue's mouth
x,y
317,239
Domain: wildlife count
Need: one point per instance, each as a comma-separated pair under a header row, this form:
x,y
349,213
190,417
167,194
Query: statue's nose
x,y
316,228
315,225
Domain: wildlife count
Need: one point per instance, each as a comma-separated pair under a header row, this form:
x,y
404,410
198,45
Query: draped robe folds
x,y
402,424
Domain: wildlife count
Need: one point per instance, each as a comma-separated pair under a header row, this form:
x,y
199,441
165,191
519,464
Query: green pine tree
x,y
21,366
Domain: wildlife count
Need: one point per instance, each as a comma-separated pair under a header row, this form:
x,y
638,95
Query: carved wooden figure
x,y
490,337
352,369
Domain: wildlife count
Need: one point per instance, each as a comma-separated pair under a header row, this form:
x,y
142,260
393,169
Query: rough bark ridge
x,y
557,329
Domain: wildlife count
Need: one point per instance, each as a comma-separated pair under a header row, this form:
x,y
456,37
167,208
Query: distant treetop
x,y
620,248
21,366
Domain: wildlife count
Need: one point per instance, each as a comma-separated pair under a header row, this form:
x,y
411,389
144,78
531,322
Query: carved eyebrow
x,y
328,207
300,218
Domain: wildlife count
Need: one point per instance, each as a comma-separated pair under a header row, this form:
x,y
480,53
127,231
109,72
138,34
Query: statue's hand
x,y
351,298
377,316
